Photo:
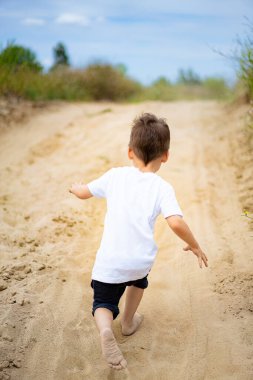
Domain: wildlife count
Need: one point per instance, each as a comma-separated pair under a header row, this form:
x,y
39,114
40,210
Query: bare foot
x,y
130,329
111,351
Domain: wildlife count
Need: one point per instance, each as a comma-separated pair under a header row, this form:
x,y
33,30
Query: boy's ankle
x,y
126,322
104,330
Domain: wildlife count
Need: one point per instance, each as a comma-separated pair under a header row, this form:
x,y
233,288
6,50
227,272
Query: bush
x,y
246,64
97,82
16,57
188,77
104,82
21,76
161,89
209,88
64,84
216,88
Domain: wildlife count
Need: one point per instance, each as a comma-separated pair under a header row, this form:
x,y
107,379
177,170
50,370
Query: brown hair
x,y
150,137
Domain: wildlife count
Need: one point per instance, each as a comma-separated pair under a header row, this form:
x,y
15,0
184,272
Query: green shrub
x,y
15,57
216,88
104,82
188,77
246,65
97,82
21,76
161,89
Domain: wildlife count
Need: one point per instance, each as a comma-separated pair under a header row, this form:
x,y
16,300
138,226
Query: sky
x,y
152,38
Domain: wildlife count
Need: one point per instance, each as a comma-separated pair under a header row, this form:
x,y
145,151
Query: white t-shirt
x,y
134,200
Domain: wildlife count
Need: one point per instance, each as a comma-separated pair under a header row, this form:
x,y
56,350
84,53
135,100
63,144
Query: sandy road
x,y
198,323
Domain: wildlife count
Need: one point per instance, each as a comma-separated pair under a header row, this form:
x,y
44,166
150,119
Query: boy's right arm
x,y
181,229
80,190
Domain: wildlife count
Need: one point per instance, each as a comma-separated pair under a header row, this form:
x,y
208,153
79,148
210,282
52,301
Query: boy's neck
x,y
152,166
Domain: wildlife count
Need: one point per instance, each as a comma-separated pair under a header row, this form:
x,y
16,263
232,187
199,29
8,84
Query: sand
x,y
198,323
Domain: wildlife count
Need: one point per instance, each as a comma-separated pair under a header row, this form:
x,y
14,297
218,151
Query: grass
x,y
96,82
102,82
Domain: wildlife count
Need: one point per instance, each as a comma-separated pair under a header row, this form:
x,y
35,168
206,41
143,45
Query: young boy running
x,y
135,197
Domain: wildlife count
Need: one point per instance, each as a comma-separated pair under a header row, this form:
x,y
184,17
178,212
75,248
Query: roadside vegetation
x,y
244,57
187,87
245,61
22,76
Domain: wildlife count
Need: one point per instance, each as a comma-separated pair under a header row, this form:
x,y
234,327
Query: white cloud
x,y
33,21
72,18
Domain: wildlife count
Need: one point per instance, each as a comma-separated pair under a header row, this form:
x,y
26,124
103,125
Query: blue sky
x,y
152,38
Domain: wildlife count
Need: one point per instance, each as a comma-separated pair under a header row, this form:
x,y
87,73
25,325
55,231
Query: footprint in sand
x,y
4,199
45,148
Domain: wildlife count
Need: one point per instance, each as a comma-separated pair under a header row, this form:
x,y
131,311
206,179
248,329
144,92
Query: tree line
x,y
22,75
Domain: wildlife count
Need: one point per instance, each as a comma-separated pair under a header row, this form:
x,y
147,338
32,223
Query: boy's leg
x,y
103,318
110,349
105,309
131,320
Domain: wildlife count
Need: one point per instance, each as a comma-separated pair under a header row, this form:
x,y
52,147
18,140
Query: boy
x,y
135,197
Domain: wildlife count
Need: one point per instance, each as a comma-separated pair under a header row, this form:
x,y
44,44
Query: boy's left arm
x,y
80,190
182,230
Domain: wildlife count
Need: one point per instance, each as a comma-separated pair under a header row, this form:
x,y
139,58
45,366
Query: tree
x,y
61,58
188,77
121,67
161,81
15,57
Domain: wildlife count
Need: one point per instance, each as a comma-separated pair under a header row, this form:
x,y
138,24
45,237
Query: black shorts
x,y
108,295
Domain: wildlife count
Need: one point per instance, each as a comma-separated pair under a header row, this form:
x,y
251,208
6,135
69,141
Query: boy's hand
x,y
76,188
199,253
80,190
181,229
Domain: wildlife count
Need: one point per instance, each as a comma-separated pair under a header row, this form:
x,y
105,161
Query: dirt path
x,y
198,323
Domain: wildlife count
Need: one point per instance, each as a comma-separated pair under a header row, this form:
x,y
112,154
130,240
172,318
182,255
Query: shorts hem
x,y
112,308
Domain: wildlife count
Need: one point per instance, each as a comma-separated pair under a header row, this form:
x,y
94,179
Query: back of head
x,y
150,137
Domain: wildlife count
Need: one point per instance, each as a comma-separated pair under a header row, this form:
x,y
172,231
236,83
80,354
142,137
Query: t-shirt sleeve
x,y
99,186
169,205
